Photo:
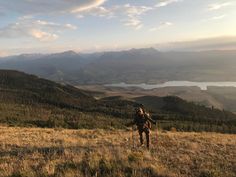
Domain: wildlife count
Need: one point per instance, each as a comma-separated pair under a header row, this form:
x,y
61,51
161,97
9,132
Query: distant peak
x,y
144,49
69,52
29,54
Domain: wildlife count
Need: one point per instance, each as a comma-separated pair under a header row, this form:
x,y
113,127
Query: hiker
x,y
143,122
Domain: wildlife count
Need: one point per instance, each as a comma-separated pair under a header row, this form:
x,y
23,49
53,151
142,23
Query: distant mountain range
x,y
146,65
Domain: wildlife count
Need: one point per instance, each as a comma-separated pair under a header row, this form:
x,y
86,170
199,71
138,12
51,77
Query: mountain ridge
x,y
146,65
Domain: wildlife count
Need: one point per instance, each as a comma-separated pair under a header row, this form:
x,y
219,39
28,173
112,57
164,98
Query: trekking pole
x,y
156,133
133,137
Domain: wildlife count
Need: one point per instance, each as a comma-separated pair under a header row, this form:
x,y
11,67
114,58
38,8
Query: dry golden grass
x,y
60,152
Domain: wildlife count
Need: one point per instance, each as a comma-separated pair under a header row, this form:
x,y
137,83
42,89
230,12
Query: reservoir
x,y
201,85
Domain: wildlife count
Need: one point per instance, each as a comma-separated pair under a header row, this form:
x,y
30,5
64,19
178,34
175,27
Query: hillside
x,y
146,65
188,116
27,100
174,105
58,153
29,88
218,97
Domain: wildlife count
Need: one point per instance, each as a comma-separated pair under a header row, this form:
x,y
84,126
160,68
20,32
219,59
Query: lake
x,y
201,85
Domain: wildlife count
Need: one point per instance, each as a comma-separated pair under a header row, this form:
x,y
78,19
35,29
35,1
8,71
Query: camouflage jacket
x,y
143,121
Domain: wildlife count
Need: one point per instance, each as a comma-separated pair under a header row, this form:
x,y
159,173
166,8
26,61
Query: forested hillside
x,y
27,100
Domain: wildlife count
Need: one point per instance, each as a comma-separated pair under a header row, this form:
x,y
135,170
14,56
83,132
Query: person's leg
x,y
140,136
147,133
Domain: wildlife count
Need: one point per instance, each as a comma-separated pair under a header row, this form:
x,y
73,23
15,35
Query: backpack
x,y
148,123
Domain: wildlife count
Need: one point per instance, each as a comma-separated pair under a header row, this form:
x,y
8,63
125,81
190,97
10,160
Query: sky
x,y
47,26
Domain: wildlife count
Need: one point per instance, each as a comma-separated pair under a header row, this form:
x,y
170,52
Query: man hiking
x,y
143,122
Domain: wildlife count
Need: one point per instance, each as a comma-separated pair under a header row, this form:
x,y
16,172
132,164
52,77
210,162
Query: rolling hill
x,y
27,100
23,88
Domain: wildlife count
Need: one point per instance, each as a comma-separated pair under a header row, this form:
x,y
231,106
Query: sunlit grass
x,y
60,152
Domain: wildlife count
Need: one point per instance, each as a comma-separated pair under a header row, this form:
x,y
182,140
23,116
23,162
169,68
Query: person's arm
x,y
147,115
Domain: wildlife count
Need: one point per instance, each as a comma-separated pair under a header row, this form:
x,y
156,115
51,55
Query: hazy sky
x,y
28,26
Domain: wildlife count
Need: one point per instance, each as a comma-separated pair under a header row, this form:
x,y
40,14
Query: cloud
x,y
215,18
164,3
102,12
79,16
133,22
162,25
28,7
70,26
133,15
218,17
87,6
99,11
42,36
136,10
38,29
218,6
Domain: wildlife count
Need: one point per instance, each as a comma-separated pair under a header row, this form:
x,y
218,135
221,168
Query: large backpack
x,y
148,123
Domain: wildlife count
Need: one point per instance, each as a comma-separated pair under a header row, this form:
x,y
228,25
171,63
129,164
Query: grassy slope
x,y
58,152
